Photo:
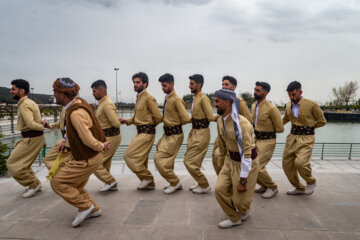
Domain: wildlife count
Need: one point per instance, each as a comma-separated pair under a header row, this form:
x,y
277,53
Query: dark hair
x,y
231,79
264,86
167,77
98,83
295,85
22,84
143,76
198,78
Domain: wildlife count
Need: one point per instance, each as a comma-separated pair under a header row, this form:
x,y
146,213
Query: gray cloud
x,y
283,21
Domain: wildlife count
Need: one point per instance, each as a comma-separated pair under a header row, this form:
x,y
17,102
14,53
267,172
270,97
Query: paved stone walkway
x,y
333,212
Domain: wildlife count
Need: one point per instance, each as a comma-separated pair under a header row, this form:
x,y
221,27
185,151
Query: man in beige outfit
x,y
26,150
305,115
53,153
236,181
147,116
106,114
230,83
174,116
199,136
267,122
85,140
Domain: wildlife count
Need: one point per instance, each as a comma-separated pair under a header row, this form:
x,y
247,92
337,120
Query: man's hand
x,y
218,170
122,121
45,123
107,145
61,147
241,187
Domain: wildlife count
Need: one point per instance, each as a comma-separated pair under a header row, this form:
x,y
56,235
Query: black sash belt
x,y
200,123
32,134
111,132
174,130
148,129
302,130
265,135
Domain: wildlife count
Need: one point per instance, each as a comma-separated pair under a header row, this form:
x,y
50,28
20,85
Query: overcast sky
x,y
316,42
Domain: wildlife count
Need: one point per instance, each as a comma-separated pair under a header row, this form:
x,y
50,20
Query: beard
x,y
193,90
257,97
220,111
138,89
97,98
16,97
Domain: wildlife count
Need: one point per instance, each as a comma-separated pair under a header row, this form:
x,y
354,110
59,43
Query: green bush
x,y
3,157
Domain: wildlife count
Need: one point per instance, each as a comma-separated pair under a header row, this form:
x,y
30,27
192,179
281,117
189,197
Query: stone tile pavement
x,y
333,212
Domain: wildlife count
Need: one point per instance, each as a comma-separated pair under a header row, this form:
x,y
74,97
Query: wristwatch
x,y
243,181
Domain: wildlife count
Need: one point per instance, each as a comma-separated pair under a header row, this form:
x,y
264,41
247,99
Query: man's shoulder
x,y
310,102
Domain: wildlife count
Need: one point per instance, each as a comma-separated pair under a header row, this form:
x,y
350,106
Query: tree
x,y
3,157
188,97
345,94
248,97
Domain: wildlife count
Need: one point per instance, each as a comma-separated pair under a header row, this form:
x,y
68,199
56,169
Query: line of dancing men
x,y
243,148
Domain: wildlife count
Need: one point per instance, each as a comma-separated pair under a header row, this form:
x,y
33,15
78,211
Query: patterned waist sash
x,y
32,134
173,130
111,132
200,123
302,130
235,156
147,128
265,135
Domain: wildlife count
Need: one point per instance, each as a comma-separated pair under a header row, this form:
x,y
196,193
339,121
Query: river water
x,y
332,132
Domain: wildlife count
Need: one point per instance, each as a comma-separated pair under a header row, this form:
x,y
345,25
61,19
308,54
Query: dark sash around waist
x,y
200,123
265,135
32,134
174,130
148,129
111,132
302,130
235,156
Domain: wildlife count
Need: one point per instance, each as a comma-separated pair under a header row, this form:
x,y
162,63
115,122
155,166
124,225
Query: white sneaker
x,y
200,190
244,217
31,192
108,187
172,189
144,185
26,189
295,192
193,187
269,193
228,223
94,214
81,216
261,189
310,189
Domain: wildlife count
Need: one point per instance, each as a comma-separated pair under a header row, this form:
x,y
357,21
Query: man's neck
x,y
297,102
229,110
261,100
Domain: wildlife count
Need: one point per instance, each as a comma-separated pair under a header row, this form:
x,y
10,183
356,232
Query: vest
x,y
78,149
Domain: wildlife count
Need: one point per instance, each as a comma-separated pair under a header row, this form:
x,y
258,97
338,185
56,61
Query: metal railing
x,y
344,151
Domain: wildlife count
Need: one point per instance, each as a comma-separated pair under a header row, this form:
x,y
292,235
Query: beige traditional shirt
x,y
29,117
266,117
82,122
61,123
106,114
228,141
201,108
244,110
174,111
146,111
310,114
